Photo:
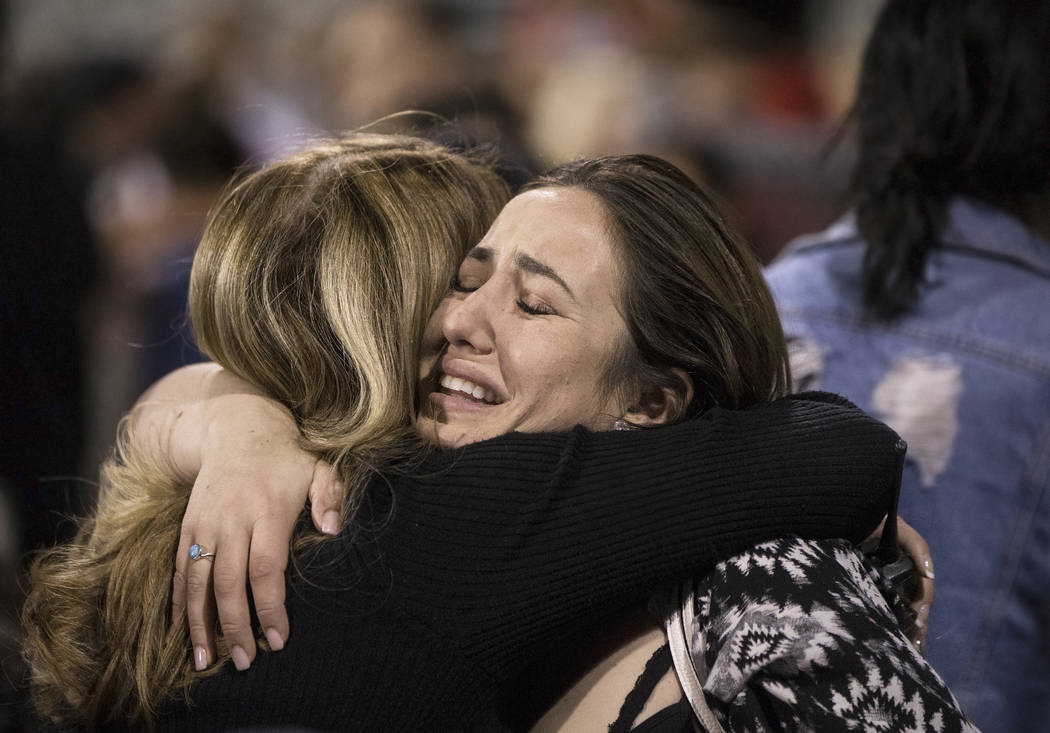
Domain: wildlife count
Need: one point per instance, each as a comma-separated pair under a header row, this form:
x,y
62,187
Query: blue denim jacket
x,y
965,380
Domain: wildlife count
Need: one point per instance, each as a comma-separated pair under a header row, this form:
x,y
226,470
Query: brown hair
x,y
314,280
694,297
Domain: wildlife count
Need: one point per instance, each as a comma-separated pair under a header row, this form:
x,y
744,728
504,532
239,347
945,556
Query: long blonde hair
x,y
314,280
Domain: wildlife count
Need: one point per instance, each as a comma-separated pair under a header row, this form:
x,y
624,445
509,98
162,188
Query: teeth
x,y
466,387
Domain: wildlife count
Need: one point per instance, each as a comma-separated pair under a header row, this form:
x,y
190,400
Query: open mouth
x,y
465,388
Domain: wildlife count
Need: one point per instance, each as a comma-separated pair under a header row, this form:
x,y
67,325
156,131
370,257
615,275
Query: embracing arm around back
x,y
253,480
239,450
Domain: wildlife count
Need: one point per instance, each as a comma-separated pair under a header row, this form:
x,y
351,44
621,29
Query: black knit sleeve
x,y
510,542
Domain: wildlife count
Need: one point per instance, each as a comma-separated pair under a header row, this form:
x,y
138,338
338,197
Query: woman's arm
x,y
522,537
805,466
171,417
239,451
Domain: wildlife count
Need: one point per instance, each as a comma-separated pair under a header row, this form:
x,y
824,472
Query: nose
x,y
467,322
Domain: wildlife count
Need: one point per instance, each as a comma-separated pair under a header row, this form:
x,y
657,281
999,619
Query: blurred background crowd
x,y
122,120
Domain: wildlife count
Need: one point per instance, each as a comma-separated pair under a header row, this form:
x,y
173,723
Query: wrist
x,y
250,423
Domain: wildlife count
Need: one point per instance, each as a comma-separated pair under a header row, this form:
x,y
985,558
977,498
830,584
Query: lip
x,y
469,371
446,403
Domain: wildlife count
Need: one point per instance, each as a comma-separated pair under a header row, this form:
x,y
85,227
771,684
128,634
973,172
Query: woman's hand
x,y
240,450
917,549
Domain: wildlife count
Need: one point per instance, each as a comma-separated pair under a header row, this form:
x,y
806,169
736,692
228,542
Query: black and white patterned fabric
x,y
794,635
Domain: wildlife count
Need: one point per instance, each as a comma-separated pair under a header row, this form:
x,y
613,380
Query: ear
x,y
660,405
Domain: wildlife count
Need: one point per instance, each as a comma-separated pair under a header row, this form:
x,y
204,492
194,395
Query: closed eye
x,y
536,310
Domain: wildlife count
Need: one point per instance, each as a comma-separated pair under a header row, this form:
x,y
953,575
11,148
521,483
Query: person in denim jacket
x,y
928,305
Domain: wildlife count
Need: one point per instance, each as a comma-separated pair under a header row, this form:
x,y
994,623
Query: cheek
x,y
592,383
433,340
570,383
433,334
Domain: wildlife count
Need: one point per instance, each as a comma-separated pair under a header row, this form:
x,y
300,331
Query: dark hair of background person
x,y
704,309
952,99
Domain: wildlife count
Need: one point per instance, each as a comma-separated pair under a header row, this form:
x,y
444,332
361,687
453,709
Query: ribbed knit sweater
x,y
463,568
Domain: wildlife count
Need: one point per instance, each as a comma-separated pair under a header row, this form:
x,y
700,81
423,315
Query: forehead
x,y
566,229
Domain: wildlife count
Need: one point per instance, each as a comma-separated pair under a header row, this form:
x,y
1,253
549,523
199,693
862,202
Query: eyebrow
x,y
479,253
528,264
524,262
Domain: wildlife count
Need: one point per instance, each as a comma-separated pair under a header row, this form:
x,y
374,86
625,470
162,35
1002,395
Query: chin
x,y
427,429
452,435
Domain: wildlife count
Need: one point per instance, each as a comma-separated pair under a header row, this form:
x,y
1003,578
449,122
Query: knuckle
x,y
196,585
263,568
234,628
266,609
227,582
198,630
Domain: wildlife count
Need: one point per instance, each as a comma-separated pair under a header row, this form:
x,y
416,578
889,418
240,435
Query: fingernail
x,y
927,569
240,658
330,523
200,658
276,642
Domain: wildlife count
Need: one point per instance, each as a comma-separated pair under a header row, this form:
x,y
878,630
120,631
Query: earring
x,y
622,424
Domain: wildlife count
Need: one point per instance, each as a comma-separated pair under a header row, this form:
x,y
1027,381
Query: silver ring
x,y
198,553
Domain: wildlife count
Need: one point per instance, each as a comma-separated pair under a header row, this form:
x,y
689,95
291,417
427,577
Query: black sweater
x,y
461,570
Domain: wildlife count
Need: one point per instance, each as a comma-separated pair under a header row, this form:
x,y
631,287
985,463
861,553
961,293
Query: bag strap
x,y
679,620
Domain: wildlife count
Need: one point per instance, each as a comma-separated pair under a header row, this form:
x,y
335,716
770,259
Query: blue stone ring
x,y
197,553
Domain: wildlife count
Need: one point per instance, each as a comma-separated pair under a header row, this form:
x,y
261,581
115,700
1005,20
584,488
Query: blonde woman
x,y
313,282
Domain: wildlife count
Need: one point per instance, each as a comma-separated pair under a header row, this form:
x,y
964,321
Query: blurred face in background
x,y
380,59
